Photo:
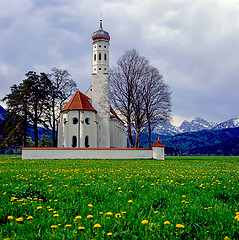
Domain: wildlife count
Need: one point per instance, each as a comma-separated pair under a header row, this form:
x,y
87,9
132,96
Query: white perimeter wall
x,y
87,153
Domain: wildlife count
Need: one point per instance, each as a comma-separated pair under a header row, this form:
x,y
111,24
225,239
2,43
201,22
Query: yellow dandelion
x,y
100,213
78,217
123,212
184,196
166,223
54,226
109,234
81,228
29,217
226,238
10,217
39,207
89,216
90,205
145,221
236,217
156,211
109,213
97,225
19,219
68,225
130,201
151,224
56,215
118,215
180,226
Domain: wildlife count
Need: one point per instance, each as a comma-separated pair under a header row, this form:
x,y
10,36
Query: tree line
x,y
35,102
139,94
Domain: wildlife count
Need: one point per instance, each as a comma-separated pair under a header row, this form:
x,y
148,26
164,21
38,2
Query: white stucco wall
x,y
86,153
158,153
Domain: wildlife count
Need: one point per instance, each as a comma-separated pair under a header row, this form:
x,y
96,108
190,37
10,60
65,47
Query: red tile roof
x,y
79,101
158,144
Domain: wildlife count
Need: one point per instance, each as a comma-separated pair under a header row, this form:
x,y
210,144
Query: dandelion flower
x,y
180,226
123,212
56,215
156,211
118,215
89,216
54,226
68,225
19,219
145,221
226,238
151,224
236,217
39,207
30,218
97,225
81,228
109,213
130,201
109,234
78,217
166,223
100,213
90,205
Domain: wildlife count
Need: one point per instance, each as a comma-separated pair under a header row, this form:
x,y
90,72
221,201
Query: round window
x,y
87,121
75,120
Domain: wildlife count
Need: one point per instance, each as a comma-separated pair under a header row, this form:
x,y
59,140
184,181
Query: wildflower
x,y
97,225
130,201
78,217
145,221
226,238
166,223
180,226
156,211
13,199
109,213
19,219
54,226
123,212
81,228
55,215
151,224
39,207
109,234
236,217
29,217
89,216
90,205
100,213
118,215
4,193
10,218
183,196
68,225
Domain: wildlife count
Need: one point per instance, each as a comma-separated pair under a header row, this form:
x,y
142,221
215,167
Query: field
x,y
179,198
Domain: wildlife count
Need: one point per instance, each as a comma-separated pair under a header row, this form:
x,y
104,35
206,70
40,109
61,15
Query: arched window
x,y
105,57
74,141
99,56
94,57
87,121
87,142
75,120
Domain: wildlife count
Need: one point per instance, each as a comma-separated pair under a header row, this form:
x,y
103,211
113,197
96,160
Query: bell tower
x,y
100,85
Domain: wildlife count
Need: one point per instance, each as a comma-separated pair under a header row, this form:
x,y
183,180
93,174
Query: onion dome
x,y
100,34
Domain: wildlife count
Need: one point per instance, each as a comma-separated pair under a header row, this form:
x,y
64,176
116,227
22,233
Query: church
x,y
88,120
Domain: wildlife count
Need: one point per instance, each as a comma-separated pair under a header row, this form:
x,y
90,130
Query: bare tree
x,y
139,94
62,87
157,100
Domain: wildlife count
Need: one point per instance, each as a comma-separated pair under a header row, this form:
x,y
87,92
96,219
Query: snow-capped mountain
x,y
197,124
2,113
232,123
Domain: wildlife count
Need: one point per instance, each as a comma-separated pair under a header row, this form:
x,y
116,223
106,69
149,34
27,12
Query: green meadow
x,y
178,198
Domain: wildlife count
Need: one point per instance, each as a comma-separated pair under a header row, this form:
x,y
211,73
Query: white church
x,y
88,120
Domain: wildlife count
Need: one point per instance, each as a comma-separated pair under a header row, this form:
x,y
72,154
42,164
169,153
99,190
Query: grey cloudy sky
x,y
194,44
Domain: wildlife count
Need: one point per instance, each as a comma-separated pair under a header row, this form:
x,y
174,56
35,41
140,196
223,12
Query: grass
x,y
179,198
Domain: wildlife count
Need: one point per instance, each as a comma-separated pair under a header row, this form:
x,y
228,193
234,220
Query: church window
x,y
87,121
99,45
104,46
74,141
87,142
75,120
105,69
99,56
105,57
99,68
94,57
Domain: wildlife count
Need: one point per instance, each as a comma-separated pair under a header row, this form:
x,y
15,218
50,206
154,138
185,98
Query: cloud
x,y
193,43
